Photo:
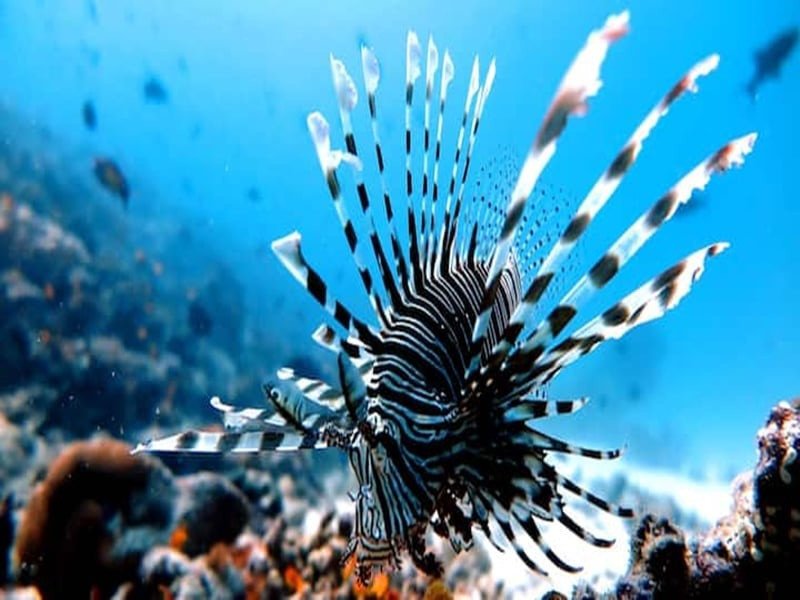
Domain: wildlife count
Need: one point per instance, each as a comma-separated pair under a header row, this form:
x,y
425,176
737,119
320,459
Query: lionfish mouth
x,y
437,395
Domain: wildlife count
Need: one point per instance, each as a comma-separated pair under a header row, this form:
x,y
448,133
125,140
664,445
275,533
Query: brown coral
x,y
70,540
660,561
776,491
750,553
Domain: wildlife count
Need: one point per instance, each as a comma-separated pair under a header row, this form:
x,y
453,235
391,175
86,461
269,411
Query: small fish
x,y
253,195
439,390
91,54
770,59
154,91
89,115
91,9
199,319
111,177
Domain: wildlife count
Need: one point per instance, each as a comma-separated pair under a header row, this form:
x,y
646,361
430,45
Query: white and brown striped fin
x,y
732,154
372,75
483,515
573,488
353,388
288,251
528,524
503,519
413,72
472,92
528,407
314,415
580,531
581,82
591,205
483,94
209,442
648,302
319,391
534,439
297,409
329,161
448,73
327,337
347,97
248,419
431,67
316,390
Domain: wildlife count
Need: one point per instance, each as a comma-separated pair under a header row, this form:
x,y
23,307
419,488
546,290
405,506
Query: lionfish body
x,y
435,406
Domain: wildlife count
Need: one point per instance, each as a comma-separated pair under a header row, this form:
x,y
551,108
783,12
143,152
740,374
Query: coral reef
x,y
210,510
751,553
104,523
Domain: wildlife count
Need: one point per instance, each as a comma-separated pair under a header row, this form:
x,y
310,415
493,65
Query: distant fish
x,y
439,391
89,115
111,177
770,59
154,91
91,9
262,250
253,195
196,131
199,319
92,54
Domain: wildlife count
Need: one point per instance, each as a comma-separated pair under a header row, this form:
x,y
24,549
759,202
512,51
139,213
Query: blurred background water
x,y
219,144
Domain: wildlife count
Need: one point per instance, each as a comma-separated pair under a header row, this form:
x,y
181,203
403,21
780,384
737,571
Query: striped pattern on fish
x,y
438,393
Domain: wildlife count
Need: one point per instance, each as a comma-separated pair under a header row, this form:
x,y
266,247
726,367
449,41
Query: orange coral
x,y
294,579
349,567
178,537
437,590
247,547
378,589
166,593
254,585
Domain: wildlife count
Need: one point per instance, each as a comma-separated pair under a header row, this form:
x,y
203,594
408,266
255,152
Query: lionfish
x,y
435,405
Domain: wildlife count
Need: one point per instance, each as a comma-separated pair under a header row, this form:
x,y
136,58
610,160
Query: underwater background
x,y
202,105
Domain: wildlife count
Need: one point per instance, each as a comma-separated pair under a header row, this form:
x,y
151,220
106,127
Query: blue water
x,y
686,392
